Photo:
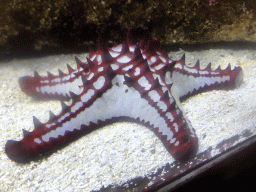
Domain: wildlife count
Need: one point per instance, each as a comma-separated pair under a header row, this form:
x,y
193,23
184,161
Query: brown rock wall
x,y
26,24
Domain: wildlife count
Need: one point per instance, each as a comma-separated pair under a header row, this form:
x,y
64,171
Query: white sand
x,y
120,151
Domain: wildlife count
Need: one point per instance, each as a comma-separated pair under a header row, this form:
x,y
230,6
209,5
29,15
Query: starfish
x,y
135,80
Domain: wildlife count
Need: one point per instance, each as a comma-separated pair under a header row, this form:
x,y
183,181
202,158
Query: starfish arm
x,y
77,119
162,113
52,86
58,86
188,81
